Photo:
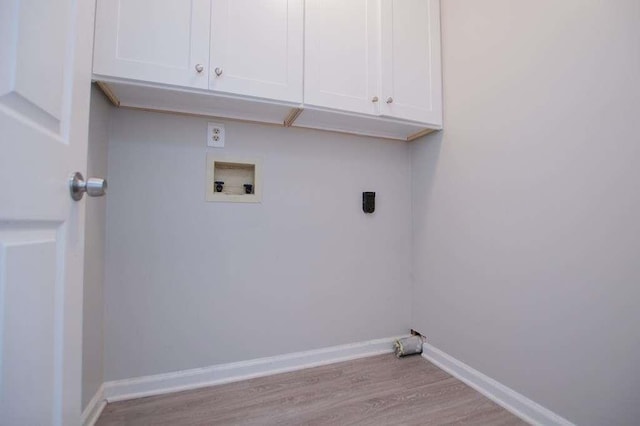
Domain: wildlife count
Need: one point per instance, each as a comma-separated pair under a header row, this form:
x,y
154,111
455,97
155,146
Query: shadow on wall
x,y
424,165
425,155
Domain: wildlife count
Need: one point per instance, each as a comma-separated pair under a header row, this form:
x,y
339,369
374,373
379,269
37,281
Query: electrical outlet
x,y
215,135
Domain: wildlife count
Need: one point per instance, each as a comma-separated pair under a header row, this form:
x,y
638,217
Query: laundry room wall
x,y
526,206
191,283
94,258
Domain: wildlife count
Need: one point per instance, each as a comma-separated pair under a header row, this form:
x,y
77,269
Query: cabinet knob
x,y
218,71
199,68
389,100
374,99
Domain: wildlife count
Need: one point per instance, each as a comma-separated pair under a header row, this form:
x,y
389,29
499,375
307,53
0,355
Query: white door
x,y
411,75
256,48
160,41
45,77
342,58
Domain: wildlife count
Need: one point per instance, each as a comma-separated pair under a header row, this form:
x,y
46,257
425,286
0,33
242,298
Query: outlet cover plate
x,y
215,135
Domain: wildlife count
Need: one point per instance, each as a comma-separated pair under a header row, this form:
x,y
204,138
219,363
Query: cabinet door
x,y
161,41
342,54
411,70
256,48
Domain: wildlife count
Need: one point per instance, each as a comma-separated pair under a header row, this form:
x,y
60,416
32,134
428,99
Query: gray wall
x,y
192,284
526,208
93,305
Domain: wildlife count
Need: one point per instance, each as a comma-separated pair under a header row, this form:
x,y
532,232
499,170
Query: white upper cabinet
x,y
159,41
376,57
411,76
257,48
342,54
370,67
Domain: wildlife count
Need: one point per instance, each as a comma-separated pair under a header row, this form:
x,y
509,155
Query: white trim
x,y
502,395
94,408
226,373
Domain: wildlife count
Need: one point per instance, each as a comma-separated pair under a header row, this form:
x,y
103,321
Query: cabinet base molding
x,y
295,112
200,103
106,90
156,97
418,135
360,124
189,114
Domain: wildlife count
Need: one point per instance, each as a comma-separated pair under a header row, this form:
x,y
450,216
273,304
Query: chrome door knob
x,y
389,100
94,187
199,68
374,99
218,71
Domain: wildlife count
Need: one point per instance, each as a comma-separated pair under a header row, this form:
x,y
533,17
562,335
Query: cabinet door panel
x,y
342,54
158,41
411,74
257,45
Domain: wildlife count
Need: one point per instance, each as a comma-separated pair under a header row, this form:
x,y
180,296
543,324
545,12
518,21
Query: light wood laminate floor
x,y
380,390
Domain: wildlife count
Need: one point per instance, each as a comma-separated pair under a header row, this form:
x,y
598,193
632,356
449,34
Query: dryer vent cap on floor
x,y
408,346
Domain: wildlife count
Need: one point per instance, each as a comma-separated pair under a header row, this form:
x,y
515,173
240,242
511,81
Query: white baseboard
x,y
226,373
502,395
94,408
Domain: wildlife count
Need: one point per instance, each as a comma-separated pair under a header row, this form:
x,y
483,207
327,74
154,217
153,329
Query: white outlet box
x,y
215,135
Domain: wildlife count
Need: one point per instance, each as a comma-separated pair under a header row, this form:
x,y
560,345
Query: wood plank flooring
x,y
380,390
